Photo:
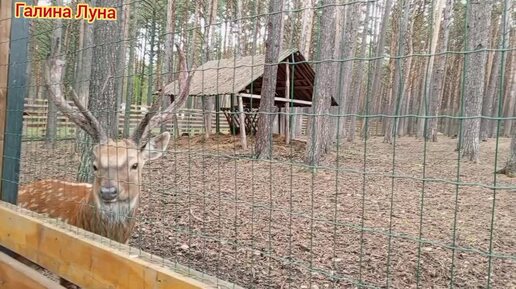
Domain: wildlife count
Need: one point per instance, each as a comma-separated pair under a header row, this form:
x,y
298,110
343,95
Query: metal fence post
x,y
16,92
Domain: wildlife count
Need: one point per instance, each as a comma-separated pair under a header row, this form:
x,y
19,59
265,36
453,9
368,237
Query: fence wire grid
x,y
323,144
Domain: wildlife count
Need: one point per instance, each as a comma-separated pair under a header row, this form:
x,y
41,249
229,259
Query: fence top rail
x,y
42,239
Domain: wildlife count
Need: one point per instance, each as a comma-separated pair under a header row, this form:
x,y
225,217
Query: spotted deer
x,y
107,206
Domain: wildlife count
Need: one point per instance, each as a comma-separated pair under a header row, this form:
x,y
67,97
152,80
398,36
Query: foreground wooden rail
x,y
15,275
89,260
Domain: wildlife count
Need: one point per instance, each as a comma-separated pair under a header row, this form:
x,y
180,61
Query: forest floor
x,y
375,215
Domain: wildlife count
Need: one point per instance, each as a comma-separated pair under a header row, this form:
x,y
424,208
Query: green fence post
x,y
16,92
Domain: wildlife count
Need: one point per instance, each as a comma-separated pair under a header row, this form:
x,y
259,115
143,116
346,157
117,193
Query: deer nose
x,y
108,193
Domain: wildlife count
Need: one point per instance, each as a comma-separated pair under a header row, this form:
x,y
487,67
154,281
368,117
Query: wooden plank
x,y
282,99
88,260
15,275
5,32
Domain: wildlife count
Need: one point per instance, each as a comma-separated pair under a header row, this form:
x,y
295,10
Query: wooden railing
x,y
191,121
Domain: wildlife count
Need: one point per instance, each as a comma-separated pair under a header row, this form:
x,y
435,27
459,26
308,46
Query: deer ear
x,y
156,146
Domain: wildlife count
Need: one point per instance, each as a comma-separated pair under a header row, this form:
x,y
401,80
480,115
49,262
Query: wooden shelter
x,y
242,78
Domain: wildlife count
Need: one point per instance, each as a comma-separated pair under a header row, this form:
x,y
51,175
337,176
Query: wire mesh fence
x,y
317,144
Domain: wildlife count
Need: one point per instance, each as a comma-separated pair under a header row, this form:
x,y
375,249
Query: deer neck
x,y
114,221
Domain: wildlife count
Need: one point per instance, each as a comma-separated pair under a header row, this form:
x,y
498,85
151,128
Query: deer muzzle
x,y
108,194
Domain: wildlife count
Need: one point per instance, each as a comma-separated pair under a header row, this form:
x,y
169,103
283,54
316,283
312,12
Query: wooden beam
x,y
15,275
89,260
243,136
287,104
5,32
281,99
300,87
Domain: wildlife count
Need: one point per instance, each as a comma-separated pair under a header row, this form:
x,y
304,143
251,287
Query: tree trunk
x,y
358,78
489,96
510,167
168,64
126,14
507,63
239,32
377,66
51,125
209,44
396,93
56,49
263,147
152,47
436,85
131,72
511,96
347,48
306,27
102,85
305,47
318,125
479,13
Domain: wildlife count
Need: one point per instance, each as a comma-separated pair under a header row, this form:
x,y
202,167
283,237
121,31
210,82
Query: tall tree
x,y
131,71
83,74
510,95
306,27
239,30
501,88
437,74
398,45
490,95
103,84
56,50
318,125
168,65
267,109
152,55
209,44
126,16
478,15
379,52
356,84
345,53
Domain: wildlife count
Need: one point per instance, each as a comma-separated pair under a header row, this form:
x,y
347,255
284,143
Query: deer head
x,y
118,164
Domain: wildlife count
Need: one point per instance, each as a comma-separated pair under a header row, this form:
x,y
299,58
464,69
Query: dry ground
x,y
279,224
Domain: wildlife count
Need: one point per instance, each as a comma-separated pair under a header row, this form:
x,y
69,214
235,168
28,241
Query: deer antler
x,y
80,116
138,132
153,118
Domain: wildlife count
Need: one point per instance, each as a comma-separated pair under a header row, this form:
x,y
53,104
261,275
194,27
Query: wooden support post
x,y
243,136
15,275
89,260
231,112
217,114
5,32
287,104
16,93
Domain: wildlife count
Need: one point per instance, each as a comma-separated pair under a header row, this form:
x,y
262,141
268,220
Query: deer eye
x,y
95,168
135,166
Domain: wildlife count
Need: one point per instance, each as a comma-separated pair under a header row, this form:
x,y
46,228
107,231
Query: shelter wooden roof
x,y
244,75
